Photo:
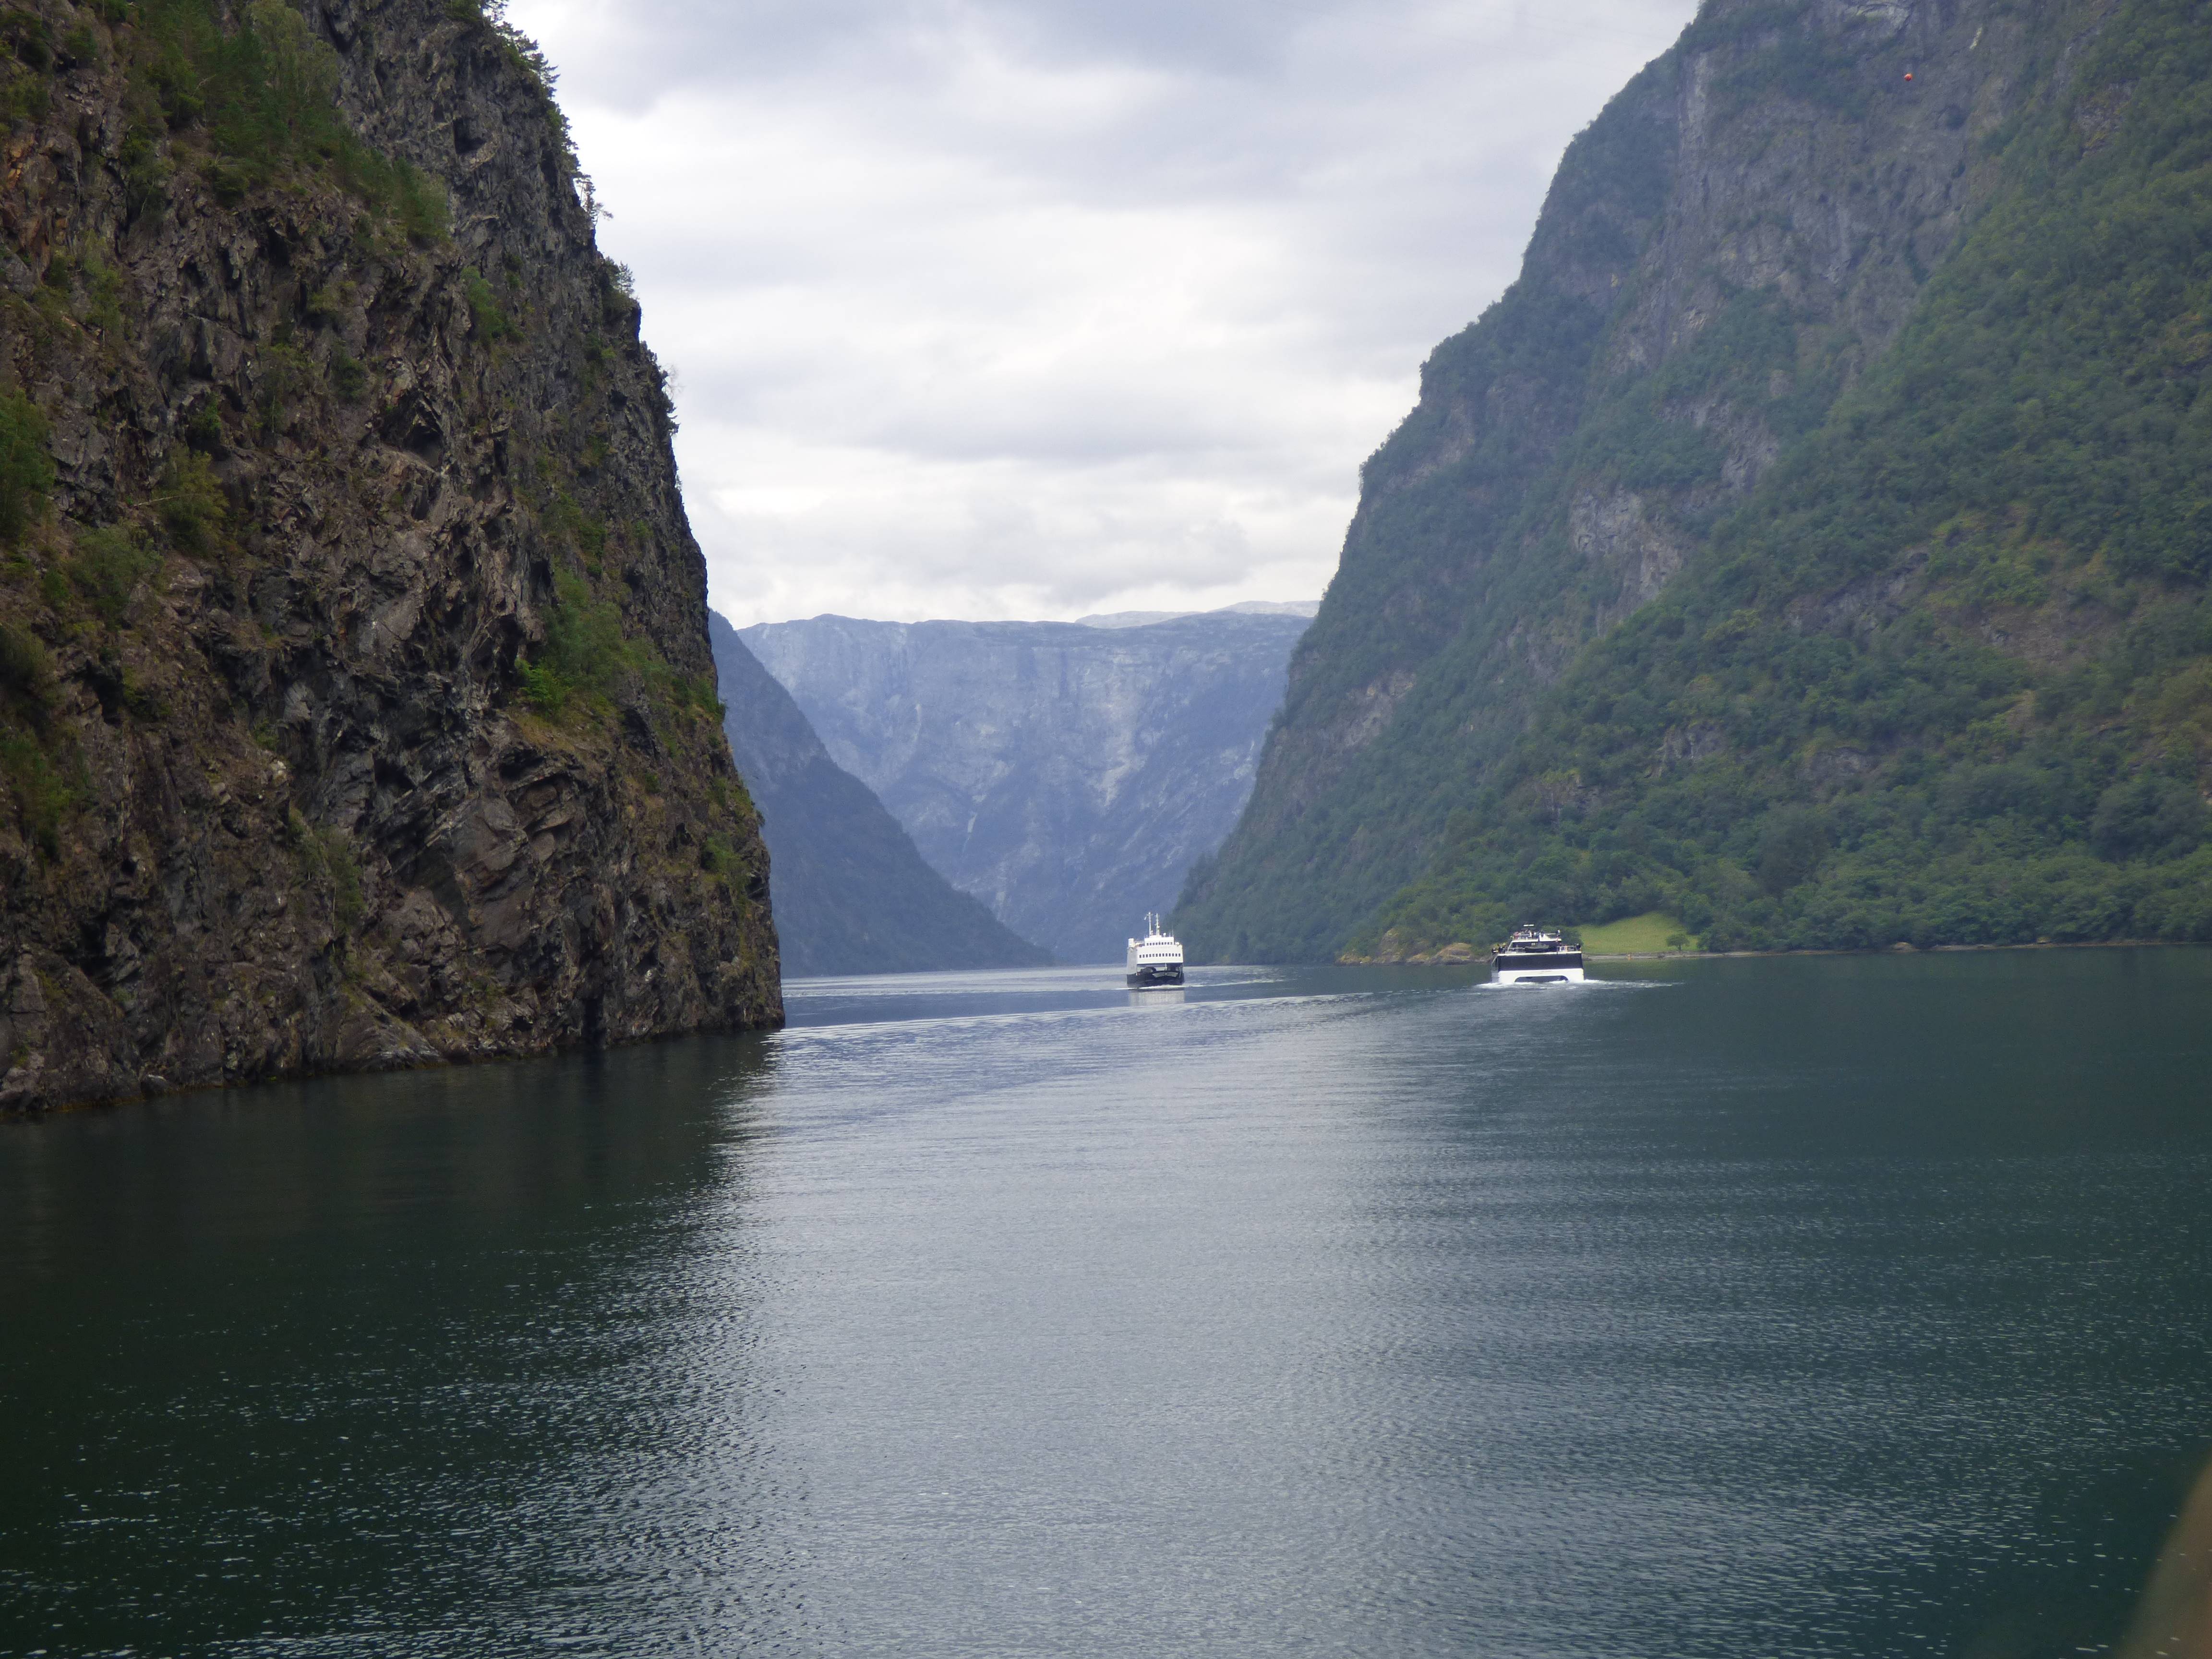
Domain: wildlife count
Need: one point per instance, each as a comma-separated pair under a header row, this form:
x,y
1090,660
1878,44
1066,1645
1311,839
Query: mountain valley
x,y
1067,775
851,894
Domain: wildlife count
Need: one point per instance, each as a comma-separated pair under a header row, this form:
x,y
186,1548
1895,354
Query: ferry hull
x,y
1538,976
1152,974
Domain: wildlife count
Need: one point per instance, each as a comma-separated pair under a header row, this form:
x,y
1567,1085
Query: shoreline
x,y
1441,959
1900,949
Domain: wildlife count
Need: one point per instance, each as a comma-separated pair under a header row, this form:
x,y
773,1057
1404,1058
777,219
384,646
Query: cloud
x,y
1035,308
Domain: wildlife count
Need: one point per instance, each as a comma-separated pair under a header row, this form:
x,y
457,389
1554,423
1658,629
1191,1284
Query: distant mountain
x,y
1250,608
1067,775
850,893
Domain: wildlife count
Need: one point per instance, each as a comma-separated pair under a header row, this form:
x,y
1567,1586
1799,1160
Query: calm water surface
x,y
1815,1306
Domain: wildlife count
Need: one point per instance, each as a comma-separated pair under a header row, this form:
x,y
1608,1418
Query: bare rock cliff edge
x,y
356,707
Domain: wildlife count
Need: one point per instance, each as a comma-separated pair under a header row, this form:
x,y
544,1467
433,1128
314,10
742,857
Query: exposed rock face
x,y
851,894
1067,775
326,476
1745,227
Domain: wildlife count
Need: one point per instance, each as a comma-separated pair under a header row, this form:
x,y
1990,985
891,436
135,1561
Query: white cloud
x,y
1037,309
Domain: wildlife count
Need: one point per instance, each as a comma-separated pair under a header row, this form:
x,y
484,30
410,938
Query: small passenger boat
x,y
1532,957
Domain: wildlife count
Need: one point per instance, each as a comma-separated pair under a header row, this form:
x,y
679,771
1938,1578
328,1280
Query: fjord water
x,y
1810,1306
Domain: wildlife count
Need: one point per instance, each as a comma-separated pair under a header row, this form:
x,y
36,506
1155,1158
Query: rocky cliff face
x,y
357,698
1745,228
1066,775
851,894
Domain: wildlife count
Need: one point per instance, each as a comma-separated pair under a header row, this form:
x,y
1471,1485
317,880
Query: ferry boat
x,y
1155,959
1532,957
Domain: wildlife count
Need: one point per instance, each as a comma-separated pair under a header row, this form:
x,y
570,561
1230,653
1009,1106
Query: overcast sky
x,y
1036,307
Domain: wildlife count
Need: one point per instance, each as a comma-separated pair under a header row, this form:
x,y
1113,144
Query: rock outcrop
x,y
851,894
1067,775
358,705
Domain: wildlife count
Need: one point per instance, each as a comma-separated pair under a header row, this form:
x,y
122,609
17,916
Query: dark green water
x,y
1815,1306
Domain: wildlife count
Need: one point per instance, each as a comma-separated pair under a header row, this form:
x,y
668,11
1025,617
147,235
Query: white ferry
x,y
1155,959
1532,957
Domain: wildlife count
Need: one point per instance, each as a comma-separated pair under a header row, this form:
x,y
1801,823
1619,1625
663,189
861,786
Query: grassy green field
x,y
1633,935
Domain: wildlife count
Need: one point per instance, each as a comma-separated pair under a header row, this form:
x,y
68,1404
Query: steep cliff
x,y
1946,676
852,895
1066,775
358,705
1726,270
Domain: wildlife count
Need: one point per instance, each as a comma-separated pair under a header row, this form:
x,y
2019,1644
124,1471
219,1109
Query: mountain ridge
x,y
1246,608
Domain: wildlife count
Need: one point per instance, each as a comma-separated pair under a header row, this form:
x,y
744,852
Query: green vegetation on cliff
x,y
257,92
1860,595
1948,676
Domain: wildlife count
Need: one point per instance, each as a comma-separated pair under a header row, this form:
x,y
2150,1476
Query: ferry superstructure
x,y
1155,959
1532,957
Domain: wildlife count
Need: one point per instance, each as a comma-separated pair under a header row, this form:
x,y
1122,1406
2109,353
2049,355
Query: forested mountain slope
x,y
852,895
1812,540
356,702
1945,678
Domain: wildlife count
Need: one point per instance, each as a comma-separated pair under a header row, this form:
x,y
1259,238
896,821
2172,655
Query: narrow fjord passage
x,y
1818,1306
